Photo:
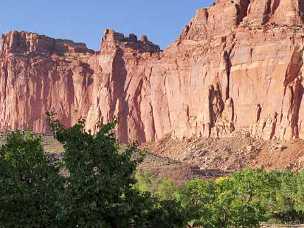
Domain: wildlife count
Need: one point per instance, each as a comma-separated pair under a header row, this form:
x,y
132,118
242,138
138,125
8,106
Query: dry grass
x,y
51,145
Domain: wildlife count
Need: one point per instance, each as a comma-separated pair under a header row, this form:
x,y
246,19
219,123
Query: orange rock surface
x,y
237,64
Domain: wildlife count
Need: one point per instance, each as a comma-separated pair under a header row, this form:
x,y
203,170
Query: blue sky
x,y
85,20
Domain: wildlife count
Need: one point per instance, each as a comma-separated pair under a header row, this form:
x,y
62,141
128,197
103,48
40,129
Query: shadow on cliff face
x,y
119,105
125,110
294,90
298,95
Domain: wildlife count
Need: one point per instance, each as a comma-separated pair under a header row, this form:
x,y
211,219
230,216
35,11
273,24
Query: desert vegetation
x,y
245,199
96,184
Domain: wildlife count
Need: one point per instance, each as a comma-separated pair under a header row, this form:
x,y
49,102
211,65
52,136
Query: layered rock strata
x,y
237,64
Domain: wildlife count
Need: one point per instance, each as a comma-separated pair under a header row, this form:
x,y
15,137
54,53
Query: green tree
x,y
100,186
146,182
238,199
162,188
227,202
197,198
299,195
166,189
29,185
289,207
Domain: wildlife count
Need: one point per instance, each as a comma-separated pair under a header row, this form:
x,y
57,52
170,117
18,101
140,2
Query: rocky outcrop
x,y
220,19
281,12
237,64
40,74
30,43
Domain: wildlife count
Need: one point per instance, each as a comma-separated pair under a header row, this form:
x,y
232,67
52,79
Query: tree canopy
x,y
96,184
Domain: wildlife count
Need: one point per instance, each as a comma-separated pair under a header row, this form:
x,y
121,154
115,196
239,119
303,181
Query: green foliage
x,y
166,189
29,185
99,188
197,197
162,188
244,199
96,190
99,185
146,182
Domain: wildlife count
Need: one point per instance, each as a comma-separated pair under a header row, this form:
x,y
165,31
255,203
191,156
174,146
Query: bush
x,y
29,186
100,189
245,199
97,190
162,188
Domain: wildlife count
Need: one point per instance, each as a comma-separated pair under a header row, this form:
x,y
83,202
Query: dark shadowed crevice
x,y
301,9
294,66
242,10
271,7
228,66
275,6
119,74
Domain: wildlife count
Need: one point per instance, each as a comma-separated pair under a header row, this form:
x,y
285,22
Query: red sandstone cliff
x,y
237,64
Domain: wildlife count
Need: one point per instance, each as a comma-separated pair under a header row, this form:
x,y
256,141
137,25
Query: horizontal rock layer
x,y
237,64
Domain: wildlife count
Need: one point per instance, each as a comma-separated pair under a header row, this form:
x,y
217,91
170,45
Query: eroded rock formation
x,y
237,64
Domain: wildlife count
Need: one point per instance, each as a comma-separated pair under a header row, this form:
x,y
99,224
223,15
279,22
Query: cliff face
x,y
40,74
237,64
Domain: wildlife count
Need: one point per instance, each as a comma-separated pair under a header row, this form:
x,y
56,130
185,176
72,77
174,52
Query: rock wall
x,y
40,74
237,64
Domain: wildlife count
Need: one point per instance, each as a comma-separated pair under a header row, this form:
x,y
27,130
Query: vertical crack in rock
x,y
271,7
216,106
210,109
294,66
274,121
119,105
138,122
298,95
242,10
154,136
258,113
228,66
293,92
153,127
275,6
301,9
230,116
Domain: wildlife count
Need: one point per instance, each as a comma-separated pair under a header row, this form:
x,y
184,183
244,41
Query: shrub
x,y
100,188
29,186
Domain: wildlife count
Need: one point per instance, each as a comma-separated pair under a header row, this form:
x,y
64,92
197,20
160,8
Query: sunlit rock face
x,y
237,64
281,12
40,74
